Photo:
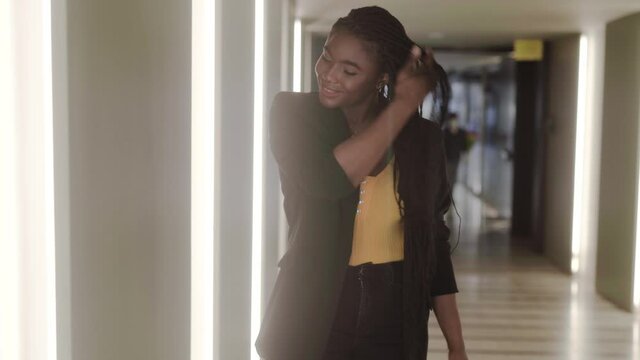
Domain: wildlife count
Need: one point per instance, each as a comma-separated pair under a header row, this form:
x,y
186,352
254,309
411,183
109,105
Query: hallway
x,y
514,304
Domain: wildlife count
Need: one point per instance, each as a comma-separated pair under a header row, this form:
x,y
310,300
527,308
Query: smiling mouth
x,y
328,91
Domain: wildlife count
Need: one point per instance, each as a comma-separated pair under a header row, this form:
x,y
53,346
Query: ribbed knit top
x,y
378,234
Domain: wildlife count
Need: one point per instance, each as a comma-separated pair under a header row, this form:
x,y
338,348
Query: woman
x,y
365,189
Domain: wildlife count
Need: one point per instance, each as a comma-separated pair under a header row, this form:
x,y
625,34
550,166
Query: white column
x,y
27,252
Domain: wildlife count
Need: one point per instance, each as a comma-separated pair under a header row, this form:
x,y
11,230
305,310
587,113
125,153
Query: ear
x,y
384,79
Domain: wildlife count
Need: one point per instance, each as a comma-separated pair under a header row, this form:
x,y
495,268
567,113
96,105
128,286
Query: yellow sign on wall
x,y
528,50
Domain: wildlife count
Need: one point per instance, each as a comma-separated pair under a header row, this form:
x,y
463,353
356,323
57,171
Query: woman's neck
x,y
360,116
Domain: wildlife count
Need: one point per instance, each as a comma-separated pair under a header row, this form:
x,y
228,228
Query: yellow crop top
x,y
378,234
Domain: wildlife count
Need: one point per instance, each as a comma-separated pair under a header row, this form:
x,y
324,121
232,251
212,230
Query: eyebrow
x,y
348,62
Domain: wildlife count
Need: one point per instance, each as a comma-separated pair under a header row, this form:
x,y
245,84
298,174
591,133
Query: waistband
x,y
371,265
394,268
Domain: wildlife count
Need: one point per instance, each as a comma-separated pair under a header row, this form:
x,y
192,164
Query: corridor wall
x,y
561,81
619,162
122,127
122,171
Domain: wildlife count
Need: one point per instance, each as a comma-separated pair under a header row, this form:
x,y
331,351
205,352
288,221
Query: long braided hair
x,y
392,46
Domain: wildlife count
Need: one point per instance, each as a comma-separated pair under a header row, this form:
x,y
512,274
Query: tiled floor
x,y
515,305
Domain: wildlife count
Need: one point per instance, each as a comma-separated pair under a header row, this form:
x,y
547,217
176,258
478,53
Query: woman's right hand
x,y
416,79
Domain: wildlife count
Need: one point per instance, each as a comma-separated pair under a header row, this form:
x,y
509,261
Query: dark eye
x,y
349,73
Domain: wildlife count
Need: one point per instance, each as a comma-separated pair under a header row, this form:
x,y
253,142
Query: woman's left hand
x,y
458,355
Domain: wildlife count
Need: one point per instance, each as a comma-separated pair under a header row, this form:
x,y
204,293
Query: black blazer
x,y
320,204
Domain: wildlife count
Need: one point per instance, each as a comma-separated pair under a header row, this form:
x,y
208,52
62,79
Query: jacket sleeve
x,y
303,157
444,281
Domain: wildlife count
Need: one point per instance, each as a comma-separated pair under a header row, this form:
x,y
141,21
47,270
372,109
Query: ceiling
x,y
476,23
458,60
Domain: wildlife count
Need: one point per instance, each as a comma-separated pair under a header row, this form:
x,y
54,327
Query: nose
x,y
329,74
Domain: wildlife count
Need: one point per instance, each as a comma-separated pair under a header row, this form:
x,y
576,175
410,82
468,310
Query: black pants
x,y
368,321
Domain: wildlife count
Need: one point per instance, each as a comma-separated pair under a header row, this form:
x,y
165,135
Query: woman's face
x,y
347,72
